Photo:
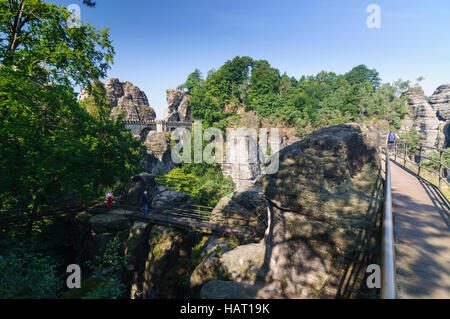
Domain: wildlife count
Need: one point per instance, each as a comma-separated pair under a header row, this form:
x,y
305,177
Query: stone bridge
x,y
142,128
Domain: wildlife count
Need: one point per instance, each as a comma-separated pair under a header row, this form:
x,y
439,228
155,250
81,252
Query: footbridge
x,y
193,218
142,128
416,230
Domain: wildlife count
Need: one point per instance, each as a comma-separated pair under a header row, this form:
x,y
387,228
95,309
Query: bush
x,y
29,275
411,137
205,183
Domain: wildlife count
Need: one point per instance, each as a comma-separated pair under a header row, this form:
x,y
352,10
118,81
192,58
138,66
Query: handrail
x,y
142,122
402,153
388,280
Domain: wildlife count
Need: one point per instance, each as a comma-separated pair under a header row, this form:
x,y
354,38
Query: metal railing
x,y
388,277
403,149
154,122
222,221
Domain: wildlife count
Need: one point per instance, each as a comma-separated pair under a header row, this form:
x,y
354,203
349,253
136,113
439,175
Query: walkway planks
x,y
422,237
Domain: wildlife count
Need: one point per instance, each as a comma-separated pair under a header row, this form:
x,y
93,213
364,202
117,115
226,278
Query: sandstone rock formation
x,y
430,118
136,186
242,264
161,197
242,206
326,200
129,99
178,109
325,208
440,102
160,271
168,199
124,97
160,159
423,118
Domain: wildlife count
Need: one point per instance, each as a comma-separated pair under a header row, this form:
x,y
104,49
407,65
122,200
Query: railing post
x,y
395,151
420,159
440,168
406,154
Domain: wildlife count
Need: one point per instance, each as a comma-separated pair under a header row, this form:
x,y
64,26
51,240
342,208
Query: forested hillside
x,y
306,103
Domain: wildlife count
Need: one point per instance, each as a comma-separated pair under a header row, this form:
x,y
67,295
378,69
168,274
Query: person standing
x,y
391,139
144,203
109,199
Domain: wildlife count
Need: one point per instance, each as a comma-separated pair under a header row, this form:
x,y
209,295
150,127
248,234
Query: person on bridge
x,y
144,200
391,139
109,199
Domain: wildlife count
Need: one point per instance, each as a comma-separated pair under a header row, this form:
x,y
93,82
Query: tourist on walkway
x,y
144,203
391,139
109,199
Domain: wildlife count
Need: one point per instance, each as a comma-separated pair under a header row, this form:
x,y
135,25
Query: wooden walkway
x,y
422,237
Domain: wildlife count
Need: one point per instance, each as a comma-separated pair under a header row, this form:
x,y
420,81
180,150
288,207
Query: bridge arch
x,y
145,131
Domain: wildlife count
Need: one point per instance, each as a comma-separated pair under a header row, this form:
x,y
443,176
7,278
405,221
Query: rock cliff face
x,y
440,102
324,210
326,200
423,118
124,97
129,99
243,205
430,118
178,109
160,159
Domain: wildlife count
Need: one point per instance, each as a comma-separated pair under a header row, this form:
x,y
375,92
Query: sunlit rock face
x,y
440,102
178,109
126,98
325,203
324,209
430,117
423,118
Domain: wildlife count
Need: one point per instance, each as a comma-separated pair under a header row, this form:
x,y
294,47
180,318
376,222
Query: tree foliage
x,y
27,274
50,146
35,39
205,183
307,103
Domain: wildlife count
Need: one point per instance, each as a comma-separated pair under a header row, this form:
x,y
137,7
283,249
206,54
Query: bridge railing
x,y
388,277
222,221
403,150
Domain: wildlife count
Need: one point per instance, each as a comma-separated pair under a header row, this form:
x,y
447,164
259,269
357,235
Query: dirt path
x,y
422,237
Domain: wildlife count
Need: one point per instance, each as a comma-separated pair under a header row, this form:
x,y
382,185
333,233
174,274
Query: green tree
x,y
193,81
96,104
360,74
264,80
26,274
49,145
36,40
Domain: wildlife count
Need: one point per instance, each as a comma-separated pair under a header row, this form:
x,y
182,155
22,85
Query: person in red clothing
x,y
109,199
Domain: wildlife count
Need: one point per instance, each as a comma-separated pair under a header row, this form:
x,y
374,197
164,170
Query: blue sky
x,y
158,43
